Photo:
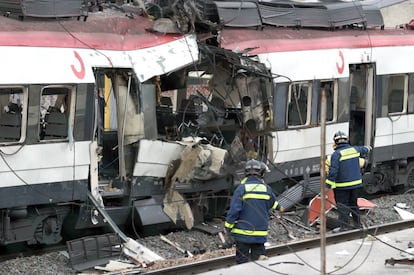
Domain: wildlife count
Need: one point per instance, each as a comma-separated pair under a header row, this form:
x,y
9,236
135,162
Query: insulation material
x,y
177,208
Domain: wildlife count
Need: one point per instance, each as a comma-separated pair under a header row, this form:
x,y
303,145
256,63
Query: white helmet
x,y
255,168
340,137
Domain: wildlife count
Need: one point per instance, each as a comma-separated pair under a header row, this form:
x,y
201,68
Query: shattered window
x,y
396,88
11,107
54,113
299,104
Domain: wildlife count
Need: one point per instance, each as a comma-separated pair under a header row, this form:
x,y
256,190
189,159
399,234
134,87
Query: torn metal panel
x,y
189,158
176,207
117,42
150,212
152,164
132,248
139,253
201,162
165,58
404,214
244,86
88,252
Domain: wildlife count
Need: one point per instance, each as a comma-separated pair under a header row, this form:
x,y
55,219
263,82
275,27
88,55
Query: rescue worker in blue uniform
x,y
345,178
249,213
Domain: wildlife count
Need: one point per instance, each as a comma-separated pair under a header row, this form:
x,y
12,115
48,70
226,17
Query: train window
x,y
331,95
298,104
396,89
55,104
12,100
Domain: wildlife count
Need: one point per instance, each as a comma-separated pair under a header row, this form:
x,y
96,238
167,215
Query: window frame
x,y
308,104
405,94
335,101
70,111
24,105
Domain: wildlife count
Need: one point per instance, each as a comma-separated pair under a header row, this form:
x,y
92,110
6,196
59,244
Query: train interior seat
x,y
10,126
395,101
56,126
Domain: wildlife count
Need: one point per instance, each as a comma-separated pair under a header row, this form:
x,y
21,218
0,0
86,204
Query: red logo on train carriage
x,y
341,67
81,73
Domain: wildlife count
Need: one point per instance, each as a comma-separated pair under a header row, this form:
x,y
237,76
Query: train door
x,y
120,122
361,85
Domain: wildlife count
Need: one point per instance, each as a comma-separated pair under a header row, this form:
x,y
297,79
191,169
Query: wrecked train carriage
x,y
110,114
208,125
54,144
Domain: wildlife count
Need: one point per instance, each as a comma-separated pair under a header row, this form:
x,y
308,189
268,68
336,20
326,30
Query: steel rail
x,y
229,260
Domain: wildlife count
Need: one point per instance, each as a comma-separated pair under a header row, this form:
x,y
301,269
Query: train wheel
x,y
49,231
372,183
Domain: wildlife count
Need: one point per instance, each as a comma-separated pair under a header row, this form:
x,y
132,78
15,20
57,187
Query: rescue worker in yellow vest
x,y
345,178
249,213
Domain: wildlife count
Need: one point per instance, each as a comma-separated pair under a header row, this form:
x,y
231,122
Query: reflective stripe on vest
x,y
228,225
256,196
348,183
349,153
249,232
255,187
331,183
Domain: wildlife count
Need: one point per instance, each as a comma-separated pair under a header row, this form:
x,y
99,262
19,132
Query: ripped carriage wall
x,y
42,171
36,193
211,141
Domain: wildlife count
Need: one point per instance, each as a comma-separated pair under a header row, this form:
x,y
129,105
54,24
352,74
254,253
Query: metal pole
x,y
323,176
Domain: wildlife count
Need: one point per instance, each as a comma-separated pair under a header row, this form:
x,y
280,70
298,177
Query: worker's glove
x,y
281,210
228,239
369,148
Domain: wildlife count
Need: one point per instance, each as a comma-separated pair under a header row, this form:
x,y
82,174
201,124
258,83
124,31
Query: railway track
x,y
226,261
216,258
19,252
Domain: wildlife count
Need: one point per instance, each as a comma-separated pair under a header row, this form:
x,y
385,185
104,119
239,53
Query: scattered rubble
x,y
206,245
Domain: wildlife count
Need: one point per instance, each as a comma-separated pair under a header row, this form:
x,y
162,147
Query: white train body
x,y
140,121
369,75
